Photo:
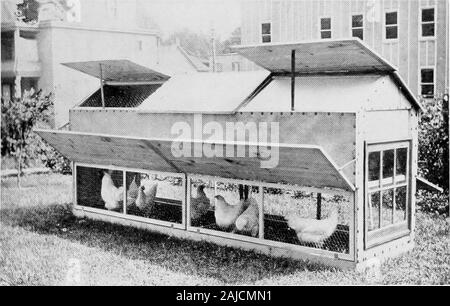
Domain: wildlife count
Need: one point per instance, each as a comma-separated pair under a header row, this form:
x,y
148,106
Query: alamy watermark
x,y
227,140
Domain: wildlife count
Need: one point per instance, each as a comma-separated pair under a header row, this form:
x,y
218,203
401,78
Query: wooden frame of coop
x,y
357,139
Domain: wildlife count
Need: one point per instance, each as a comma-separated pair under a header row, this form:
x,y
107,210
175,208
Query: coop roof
x,y
312,166
324,57
204,92
119,72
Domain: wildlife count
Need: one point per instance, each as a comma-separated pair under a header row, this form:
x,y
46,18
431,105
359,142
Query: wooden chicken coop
x,y
342,122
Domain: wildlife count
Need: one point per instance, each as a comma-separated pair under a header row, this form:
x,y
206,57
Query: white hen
x,y
226,214
314,231
146,196
111,195
248,222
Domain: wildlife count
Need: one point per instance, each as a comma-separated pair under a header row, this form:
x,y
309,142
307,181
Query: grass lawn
x,y
42,243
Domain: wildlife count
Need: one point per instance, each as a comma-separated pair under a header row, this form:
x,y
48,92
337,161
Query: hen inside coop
x,y
155,196
146,195
225,207
315,220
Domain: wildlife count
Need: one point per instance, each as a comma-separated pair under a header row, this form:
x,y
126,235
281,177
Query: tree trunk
x,y
19,169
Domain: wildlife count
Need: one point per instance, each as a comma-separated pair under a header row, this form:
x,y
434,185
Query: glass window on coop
x,y
155,196
316,220
225,206
387,207
99,188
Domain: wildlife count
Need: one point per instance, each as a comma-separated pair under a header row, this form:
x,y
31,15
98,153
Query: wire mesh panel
x,y
155,196
100,188
315,220
224,206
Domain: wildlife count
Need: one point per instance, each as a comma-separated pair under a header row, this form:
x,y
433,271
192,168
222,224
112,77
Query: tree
x,y
196,44
434,143
28,11
19,117
234,40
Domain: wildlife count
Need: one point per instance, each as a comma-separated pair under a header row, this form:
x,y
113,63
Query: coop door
x,y
387,209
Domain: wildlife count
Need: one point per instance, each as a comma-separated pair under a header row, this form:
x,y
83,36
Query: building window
x,y
428,22
140,45
358,26
387,199
112,5
325,28
7,46
427,82
236,66
391,24
266,32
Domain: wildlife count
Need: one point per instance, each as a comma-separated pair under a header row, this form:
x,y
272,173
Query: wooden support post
x,y
293,80
101,87
319,206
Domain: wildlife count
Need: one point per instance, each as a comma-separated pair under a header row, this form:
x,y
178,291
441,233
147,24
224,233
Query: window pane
x,y
325,34
391,18
402,157
357,21
266,28
388,167
428,90
374,166
325,23
427,76
392,32
400,205
428,29
387,207
373,215
358,33
428,15
266,39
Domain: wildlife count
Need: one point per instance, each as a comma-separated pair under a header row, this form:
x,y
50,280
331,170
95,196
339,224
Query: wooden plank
x,y
117,151
299,165
118,71
425,184
295,164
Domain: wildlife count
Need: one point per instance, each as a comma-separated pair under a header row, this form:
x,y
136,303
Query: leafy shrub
x,y
434,203
19,118
433,143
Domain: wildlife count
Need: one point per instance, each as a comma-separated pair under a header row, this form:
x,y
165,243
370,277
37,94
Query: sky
x,y
196,15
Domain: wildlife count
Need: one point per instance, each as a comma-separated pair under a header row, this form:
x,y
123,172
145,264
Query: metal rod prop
x,y
293,80
101,87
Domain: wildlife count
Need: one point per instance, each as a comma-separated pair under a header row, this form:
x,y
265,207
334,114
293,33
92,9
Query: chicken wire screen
x,y
320,221
155,196
316,220
225,207
100,188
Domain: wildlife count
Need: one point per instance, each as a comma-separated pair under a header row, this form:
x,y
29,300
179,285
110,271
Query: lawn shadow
x,y
226,264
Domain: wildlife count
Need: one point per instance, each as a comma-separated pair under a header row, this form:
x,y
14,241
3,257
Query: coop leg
x,y
319,206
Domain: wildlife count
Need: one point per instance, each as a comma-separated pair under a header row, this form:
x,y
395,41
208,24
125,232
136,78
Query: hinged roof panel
x,y
204,92
119,71
324,56
301,165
